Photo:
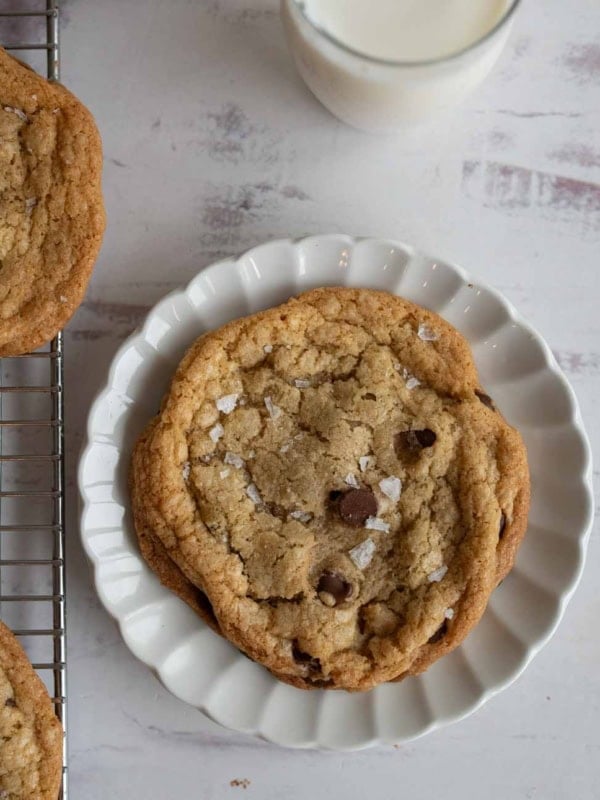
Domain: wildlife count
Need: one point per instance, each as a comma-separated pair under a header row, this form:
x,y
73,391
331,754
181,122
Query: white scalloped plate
x,y
517,369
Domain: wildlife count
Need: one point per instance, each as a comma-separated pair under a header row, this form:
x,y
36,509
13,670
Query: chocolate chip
x,y
335,495
276,510
10,702
502,525
357,505
369,396
486,399
335,585
313,664
414,441
440,633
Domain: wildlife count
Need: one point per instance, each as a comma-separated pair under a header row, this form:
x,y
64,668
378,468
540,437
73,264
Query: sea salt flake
x,y
252,454
351,480
377,524
391,487
63,299
437,575
224,473
268,348
216,432
253,494
449,613
30,204
185,470
427,334
301,516
227,403
285,447
18,112
412,383
362,554
365,462
274,411
302,383
235,460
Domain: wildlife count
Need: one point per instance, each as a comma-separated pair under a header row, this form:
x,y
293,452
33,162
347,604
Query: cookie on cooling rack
x,y
31,737
331,475
51,211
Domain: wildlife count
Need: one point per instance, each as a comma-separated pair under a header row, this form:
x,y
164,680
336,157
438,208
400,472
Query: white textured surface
x,y
213,145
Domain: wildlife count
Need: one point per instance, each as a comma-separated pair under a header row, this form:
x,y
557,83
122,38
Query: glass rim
x,y
391,62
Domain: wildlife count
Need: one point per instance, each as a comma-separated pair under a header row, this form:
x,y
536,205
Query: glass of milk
x,y
382,64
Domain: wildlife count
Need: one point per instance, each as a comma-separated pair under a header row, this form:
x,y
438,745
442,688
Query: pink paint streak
x,y
512,188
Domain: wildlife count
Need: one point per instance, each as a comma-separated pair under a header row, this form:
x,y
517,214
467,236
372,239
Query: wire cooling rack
x,y
32,502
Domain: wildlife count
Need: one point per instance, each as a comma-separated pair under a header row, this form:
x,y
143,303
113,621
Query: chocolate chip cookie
x,y
332,476
31,737
51,211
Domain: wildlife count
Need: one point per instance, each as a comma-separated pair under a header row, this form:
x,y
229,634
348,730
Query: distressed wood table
x,y
213,145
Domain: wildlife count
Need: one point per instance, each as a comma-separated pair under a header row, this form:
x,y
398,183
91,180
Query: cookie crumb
x,y
449,613
235,460
427,334
227,403
362,554
244,783
274,411
350,479
391,487
437,575
302,383
185,471
216,432
377,524
365,462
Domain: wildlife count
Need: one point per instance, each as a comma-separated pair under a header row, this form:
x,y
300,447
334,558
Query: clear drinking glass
x,y
381,95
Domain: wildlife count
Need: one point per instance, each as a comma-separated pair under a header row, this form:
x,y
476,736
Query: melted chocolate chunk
x,y
357,505
335,585
313,664
414,441
440,633
502,525
486,399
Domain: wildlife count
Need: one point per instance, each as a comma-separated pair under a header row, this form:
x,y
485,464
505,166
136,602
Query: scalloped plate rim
x,y
575,423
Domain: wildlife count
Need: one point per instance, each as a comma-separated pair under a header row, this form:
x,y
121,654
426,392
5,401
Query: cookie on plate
x,y
332,476
31,737
51,211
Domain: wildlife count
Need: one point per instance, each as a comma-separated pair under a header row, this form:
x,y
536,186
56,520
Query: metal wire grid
x,y
32,502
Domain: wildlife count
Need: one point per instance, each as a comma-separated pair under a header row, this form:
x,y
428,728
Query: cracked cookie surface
x,y
329,474
30,734
51,211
